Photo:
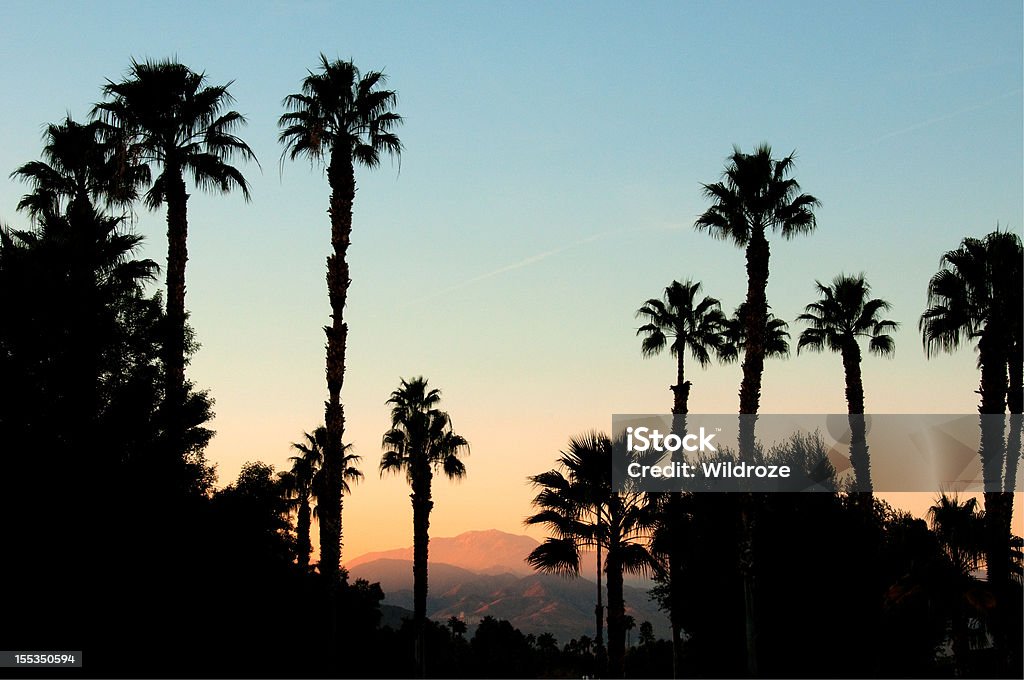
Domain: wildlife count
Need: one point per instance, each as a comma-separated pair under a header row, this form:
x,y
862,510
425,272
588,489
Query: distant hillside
x,y
483,552
534,603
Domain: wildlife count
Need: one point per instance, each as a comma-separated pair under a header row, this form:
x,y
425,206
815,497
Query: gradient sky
x,y
551,177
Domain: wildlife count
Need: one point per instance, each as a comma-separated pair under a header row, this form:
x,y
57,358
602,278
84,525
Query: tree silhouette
x,y
163,114
420,443
734,334
975,296
303,483
844,314
78,170
693,325
577,504
697,326
343,116
756,195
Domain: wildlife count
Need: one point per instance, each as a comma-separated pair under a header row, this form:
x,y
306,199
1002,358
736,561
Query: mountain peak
x,y
486,551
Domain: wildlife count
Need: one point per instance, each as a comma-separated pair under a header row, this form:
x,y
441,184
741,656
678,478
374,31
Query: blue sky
x,y
554,156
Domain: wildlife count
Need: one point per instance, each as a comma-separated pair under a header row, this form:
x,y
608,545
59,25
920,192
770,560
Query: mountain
x,y
535,603
482,552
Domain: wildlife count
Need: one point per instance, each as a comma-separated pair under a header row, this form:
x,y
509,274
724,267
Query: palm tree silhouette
x,y
89,250
696,325
756,195
78,171
734,335
844,314
975,297
342,115
959,528
693,325
577,504
420,443
164,114
302,484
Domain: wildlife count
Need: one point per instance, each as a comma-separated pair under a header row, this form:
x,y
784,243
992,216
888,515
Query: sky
x,y
552,170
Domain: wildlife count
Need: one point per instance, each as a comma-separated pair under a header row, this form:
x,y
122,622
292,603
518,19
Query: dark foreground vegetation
x,y
116,541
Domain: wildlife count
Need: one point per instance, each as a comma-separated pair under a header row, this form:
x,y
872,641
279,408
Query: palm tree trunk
x,y
674,509
616,617
756,322
174,343
1015,404
304,547
992,358
421,507
859,456
599,608
341,177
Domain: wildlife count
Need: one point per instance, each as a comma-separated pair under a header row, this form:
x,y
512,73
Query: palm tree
x,y
163,114
577,504
696,326
844,314
342,115
693,325
305,479
77,170
420,443
93,246
756,195
959,528
734,336
975,297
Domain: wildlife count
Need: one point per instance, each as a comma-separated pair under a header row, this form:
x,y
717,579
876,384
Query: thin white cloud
x,y
933,121
531,260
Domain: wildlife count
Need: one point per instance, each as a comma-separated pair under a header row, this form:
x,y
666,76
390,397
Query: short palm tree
x,y
846,313
696,325
734,336
577,504
304,480
975,297
341,115
693,324
959,528
77,171
164,115
420,443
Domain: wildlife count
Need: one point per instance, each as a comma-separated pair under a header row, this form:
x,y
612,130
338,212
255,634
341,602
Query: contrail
x,y
933,121
526,262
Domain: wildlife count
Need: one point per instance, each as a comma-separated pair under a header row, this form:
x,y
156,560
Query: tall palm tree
x,y
846,313
756,195
577,504
344,117
305,479
975,297
163,116
696,325
420,443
